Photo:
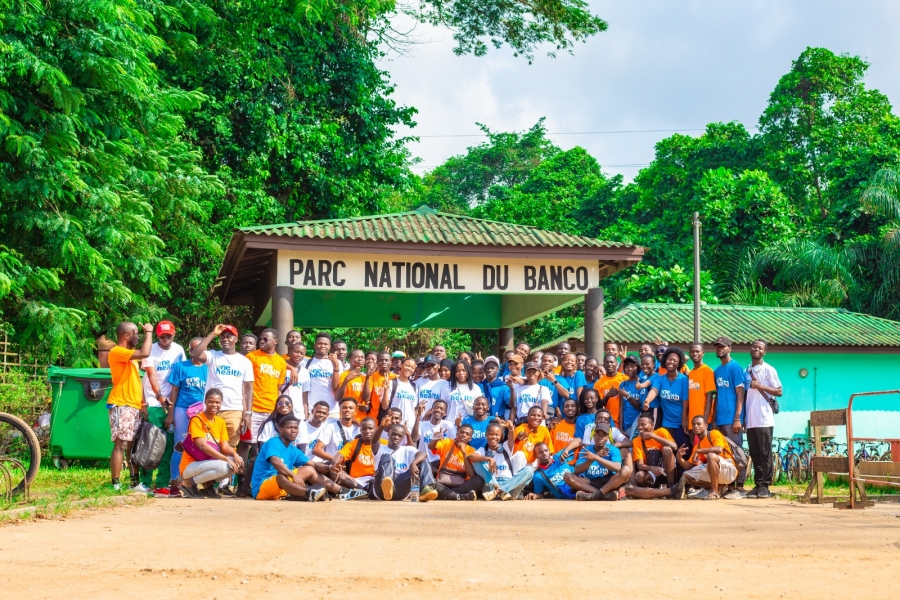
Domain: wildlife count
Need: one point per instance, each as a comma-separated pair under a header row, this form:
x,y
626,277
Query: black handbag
x,y
149,446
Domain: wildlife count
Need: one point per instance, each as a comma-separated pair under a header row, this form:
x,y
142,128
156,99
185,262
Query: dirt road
x,y
243,549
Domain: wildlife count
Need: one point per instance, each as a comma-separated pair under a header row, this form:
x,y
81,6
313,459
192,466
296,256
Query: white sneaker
x,y
734,494
141,489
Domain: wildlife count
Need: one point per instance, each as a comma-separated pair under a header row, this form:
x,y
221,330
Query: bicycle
x,y
20,455
786,461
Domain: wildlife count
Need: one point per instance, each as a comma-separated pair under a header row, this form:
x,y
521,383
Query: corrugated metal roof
x,y
426,225
674,323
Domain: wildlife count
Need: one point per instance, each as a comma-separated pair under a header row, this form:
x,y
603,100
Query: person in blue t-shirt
x,y
188,381
587,410
730,388
599,472
549,475
632,396
567,384
494,388
672,389
283,470
479,421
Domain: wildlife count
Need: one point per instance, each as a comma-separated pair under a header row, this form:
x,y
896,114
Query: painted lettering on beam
x,y
411,276
555,278
319,273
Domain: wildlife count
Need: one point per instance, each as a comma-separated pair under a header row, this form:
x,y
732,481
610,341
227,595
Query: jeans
x,y
445,492
760,441
202,471
737,438
513,486
402,482
181,427
157,416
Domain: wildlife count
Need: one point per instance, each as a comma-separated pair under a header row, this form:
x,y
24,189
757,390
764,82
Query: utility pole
x,y
697,339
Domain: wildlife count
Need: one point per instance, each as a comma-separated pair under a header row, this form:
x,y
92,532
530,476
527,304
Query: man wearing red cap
x,y
232,373
164,355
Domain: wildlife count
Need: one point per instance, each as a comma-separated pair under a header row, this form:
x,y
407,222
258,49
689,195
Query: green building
x,y
823,355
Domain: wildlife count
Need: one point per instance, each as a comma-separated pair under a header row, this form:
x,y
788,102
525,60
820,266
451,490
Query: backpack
x,y
355,455
740,457
149,446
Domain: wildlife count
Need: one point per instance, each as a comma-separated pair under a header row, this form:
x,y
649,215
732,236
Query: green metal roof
x,y
674,323
426,225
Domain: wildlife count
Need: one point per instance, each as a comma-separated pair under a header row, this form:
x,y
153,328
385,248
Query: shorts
x,y
123,422
567,492
270,490
232,420
654,458
727,472
599,482
256,422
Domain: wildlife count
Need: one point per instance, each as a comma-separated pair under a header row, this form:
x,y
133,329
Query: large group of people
x,y
244,420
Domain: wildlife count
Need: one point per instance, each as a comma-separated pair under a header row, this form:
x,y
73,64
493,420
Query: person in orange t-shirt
x,y
607,387
456,477
126,398
269,370
360,455
562,431
353,382
653,453
711,463
527,435
380,393
702,388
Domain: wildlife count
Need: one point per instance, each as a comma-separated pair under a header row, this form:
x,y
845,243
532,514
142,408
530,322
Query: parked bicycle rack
x,y
877,473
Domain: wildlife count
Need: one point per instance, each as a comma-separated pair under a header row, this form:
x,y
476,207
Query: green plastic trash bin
x,y
79,420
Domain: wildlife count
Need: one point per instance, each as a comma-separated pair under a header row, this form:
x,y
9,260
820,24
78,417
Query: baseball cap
x,y
602,427
398,354
630,358
431,359
492,359
515,358
532,365
722,341
165,327
230,329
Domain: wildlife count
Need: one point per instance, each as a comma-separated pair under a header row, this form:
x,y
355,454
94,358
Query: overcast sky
x,y
661,65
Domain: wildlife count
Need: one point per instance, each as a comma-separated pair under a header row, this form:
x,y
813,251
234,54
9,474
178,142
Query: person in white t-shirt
x,y
430,386
324,374
402,393
463,391
764,385
269,428
397,466
505,472
311,429
299,392
164,355
334,436
232,374
530,393
339,347
435,428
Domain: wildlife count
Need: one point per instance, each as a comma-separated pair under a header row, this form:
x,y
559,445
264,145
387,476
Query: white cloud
x,y
661,65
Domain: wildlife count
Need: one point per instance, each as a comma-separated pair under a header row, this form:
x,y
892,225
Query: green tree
x,y
882,198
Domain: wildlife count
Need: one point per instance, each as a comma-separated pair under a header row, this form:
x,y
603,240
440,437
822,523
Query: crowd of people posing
x,y
246,421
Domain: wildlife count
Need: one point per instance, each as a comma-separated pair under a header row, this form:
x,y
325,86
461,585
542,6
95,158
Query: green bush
x,y
23,396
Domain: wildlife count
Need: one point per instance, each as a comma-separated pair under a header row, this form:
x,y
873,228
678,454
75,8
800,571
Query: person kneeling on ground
x,y
550,475
654,456
505,472
397,466
359,471
209,458
711,465
599,472
282,470
456,479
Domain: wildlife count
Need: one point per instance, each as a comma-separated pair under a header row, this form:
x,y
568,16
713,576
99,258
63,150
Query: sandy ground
x,y
661,548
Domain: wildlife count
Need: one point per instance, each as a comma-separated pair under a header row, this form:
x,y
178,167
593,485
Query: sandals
x,y
712,496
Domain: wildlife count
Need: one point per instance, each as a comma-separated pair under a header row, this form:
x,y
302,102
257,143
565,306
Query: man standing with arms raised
x,y
765,386
125,402
730,406
231,373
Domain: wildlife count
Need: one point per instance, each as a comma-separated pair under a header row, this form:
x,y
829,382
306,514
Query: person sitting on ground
x,y
479,421
600,471
336,435
397,466
711,465
209,435
549,475
654,456
282,470
435,428
530,433
456,478
359,455
505,472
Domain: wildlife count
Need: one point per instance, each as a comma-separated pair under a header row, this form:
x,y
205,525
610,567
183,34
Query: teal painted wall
x,y
832,379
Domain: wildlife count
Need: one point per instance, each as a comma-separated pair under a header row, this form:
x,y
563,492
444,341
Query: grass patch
x,y
54,486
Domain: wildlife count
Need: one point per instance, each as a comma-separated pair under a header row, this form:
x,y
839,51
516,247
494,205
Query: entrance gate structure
x,y
420,268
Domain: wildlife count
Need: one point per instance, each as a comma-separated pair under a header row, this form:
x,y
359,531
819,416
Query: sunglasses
x,y
284,403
